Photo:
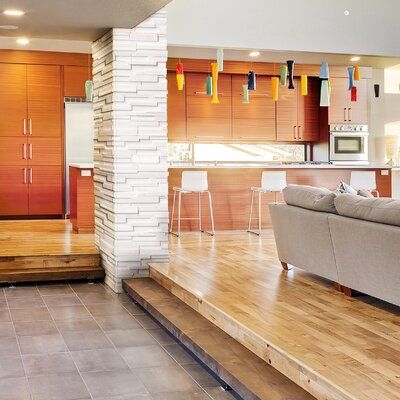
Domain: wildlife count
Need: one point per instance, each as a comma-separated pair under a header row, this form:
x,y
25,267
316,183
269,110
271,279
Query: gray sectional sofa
x,y
351,240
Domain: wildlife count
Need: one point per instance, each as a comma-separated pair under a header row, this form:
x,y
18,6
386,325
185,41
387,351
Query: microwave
x,y
348,143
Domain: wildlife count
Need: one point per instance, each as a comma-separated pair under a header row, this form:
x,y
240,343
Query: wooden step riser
x,y
303,376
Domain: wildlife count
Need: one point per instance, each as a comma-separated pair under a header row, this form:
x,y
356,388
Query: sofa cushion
x,y
382,210
365,193
311,198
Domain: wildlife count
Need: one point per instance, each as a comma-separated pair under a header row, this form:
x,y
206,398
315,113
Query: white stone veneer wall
x,y
131,187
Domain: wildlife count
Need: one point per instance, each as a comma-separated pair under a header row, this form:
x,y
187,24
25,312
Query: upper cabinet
x,y
75,78
255,120
342,110
206,121
176,110
297,115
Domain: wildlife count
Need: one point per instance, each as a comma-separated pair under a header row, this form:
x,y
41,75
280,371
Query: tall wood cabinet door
x,y
44,151
44,100
13,112
308,112
75,78
13,151
45,190
176,110
358,110
255,120
286,113
338,113
13,190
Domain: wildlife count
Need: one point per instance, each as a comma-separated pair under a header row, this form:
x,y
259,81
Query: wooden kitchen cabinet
x,y
44,151
44,100
14,198
206,121
12,100
176,110
287,113
342,110
75,78
308,112
256,120
13,151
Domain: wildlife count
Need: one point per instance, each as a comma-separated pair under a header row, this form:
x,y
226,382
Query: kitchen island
x,y
230,189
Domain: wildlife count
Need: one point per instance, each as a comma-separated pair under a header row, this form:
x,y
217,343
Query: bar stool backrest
x,y
194,181
363,180
273,181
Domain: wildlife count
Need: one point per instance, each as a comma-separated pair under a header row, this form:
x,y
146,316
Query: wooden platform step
x,y
250,376
50,267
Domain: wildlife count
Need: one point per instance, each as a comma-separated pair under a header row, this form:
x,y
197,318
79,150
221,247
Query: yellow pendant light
x,y
275,88
304,85
214,72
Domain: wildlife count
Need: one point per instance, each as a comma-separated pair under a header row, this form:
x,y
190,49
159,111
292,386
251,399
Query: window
x,y
233,153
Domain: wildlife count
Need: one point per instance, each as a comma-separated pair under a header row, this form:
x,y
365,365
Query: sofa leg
x,y
347,291
285,266
338,287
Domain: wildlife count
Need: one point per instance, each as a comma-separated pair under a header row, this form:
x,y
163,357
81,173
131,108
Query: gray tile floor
x,y
82,341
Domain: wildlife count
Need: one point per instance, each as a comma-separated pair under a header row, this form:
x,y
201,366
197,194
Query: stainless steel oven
x,y
348,144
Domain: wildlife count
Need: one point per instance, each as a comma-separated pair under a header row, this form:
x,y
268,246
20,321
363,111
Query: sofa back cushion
x,y
382,210
311,198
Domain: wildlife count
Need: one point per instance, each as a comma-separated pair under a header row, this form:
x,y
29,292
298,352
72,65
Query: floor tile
x,y
14,389
146,356
126,397
97,298
201,375
69,312
4,315
94,340
217,393
131,338
30,314
53,290
166,379
11,367
113,383
25,302
6,329
106,309
43,364
117,322
42,344
162,336
192,395
133,309
8,346
62,300
78,325
3,304
36,328
22,291
67,386
179,354
98,360
147,322
87,288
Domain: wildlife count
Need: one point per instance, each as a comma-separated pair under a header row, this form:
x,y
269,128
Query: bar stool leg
x,y
199,200
171,224
179,213
259,213
211,214
251,211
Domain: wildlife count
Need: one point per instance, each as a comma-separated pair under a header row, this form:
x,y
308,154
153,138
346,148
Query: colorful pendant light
x,y
304,85
275,88
89,91
283,74
351,77
357,75
376,90
214,71
209,90
324,71
325,94
246,99
354,93
180,78
252,80
220,59
290,65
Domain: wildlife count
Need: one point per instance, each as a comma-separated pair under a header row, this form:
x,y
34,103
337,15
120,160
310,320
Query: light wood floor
x,y
334,346
43,237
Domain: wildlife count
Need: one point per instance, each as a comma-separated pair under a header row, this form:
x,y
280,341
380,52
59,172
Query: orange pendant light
x,y
275,88
214,72
180,78
357,75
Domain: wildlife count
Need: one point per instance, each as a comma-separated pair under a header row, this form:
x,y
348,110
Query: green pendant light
x,y
209,91
246,99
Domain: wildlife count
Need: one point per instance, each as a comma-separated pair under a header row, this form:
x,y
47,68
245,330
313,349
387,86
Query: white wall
x,y
306,25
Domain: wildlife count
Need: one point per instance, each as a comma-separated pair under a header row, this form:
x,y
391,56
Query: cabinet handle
x,y
349,115
24,179
204,93
299,133
24,150
24,126
30,126
30,175
294,132
345,114
30,151
209,136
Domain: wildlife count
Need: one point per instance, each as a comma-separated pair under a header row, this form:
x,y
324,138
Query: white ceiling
x,y
80,20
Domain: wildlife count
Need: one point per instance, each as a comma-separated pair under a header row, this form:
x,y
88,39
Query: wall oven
x,y
348,144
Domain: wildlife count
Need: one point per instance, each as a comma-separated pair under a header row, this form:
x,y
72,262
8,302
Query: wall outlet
x,y
384,172
86,172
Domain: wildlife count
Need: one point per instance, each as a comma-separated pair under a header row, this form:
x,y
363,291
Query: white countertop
x,y
82,165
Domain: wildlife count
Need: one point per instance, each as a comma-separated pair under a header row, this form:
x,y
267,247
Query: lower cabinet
x,y
14,193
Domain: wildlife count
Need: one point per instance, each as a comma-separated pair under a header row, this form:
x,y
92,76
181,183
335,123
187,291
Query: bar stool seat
x,y
192,182
271,182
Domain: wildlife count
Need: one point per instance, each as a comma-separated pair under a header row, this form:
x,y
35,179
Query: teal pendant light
x,y
220,59
325,94
209,91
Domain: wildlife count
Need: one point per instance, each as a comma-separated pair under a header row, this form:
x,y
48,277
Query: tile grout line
x,y
59,332
19,347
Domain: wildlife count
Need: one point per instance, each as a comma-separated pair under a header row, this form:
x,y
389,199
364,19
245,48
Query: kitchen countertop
x,y
283,166
82,165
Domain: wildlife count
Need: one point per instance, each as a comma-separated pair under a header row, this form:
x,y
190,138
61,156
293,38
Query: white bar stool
x,y
271,182
364,180
192,182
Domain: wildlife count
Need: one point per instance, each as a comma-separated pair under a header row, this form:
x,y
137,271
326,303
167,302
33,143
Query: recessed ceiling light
x,y
14,13
356,58
346,13
254,54
23,41
8,27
